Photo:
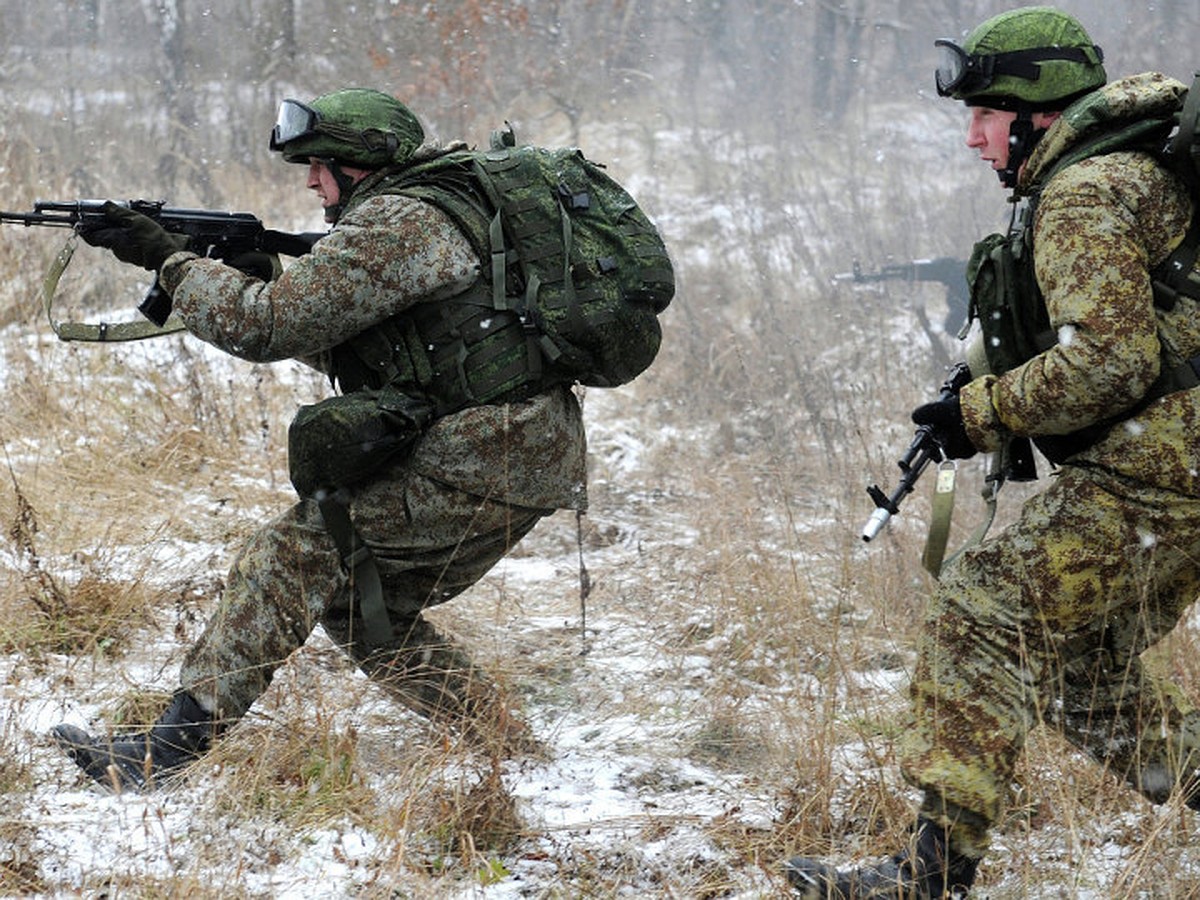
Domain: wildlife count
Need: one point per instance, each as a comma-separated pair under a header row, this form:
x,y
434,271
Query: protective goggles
x,y
294,120
959,72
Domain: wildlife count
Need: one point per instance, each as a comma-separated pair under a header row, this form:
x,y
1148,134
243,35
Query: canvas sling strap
x,y
100,332
360,563
1012,462
942,512
933,558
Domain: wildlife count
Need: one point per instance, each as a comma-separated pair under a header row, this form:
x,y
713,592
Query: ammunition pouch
x,y
344,440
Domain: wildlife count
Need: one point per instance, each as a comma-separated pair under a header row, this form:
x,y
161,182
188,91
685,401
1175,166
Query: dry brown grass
x,y
776,400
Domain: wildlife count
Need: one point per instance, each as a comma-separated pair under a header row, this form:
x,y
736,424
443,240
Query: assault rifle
x,y
923,450
220,235
947,270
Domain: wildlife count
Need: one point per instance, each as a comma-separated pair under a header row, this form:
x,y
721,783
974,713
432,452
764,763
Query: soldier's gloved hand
x,y
265,266
945,420
132,237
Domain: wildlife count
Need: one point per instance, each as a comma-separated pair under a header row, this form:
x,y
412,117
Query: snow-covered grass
x,y
724,696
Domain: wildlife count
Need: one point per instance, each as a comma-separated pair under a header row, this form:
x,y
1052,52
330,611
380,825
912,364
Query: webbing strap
x,y
1183,143
101,332
499,262
1190,371
933,558
990,489
1173,276
360,563
939,523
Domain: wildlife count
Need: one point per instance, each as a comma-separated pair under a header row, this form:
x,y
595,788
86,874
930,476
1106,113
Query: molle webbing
x,y
566,249
472,348
477,354
456,353
573,277
537,226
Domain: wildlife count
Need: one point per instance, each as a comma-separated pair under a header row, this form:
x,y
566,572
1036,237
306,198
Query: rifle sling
x,y
933,558
939,522
101,332
360,565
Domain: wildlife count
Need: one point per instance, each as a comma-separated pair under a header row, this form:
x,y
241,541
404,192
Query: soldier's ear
x,y
1045,119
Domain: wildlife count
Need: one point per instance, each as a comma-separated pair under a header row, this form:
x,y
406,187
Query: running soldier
x,y
465,485
1046,621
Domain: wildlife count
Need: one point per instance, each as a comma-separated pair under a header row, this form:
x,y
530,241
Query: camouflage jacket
x,y
1101,225
386,254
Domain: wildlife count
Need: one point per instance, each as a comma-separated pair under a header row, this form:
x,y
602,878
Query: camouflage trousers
x,y
1046,623
430,541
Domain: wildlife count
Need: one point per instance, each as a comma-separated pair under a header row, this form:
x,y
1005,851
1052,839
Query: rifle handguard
x,y
921,452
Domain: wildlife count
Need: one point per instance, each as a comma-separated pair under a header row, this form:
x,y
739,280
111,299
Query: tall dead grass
x,y
778,397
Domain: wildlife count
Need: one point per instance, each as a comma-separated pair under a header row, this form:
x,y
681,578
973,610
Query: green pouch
x,y
1007,302
344,440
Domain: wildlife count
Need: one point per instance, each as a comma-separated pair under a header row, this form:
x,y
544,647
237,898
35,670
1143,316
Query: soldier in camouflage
x,y
1046,622
435,520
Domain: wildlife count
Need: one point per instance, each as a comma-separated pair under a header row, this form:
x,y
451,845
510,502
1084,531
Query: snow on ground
x,y
617,791
621,806
611,779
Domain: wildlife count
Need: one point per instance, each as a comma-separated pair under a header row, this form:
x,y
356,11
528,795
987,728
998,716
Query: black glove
x,y
132,237
945,420
264,266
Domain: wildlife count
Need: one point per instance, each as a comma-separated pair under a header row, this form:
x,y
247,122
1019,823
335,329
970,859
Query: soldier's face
x,y
321,180
987,132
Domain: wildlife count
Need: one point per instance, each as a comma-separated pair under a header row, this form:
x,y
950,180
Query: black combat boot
x,y
927,870
181,734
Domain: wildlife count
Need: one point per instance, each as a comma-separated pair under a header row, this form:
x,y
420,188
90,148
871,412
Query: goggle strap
x,y
372,139
977,70
1021,63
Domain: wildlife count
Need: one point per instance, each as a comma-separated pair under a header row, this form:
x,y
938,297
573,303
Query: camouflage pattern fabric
x,y
475,483
430,543
1046,621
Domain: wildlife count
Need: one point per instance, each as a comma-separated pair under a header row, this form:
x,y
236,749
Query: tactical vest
x,y
1011,310
454,353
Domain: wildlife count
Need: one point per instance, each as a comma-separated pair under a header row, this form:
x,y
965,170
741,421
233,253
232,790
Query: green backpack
x,y
575,277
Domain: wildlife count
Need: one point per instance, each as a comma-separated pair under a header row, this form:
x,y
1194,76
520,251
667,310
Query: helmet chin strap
x,y
1022,138
345,185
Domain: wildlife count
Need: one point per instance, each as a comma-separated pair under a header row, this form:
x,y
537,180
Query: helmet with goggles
x,y
355,127
1036,58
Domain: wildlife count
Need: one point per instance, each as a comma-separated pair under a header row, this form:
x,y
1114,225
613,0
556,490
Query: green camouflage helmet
x,y
357,127
1035,58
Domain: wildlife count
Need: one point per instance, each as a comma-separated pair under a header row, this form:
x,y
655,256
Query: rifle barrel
x,y
875,524
37,218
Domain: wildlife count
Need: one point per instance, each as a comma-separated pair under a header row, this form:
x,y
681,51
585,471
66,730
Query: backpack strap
x,y
1182,150
1176,274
